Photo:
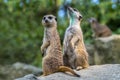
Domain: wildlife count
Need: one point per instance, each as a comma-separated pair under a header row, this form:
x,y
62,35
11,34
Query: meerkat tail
x,y
67,69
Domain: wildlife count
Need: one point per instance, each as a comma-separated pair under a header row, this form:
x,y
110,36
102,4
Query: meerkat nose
x,y
68,7
46,21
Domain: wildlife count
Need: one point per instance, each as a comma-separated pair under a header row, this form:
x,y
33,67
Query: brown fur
x,y
53,59
98,29
75,54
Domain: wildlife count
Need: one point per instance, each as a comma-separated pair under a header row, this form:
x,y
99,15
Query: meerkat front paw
x,y
42,51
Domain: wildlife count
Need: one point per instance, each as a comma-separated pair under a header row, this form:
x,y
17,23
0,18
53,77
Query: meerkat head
x,y
74,14
49,21
92,20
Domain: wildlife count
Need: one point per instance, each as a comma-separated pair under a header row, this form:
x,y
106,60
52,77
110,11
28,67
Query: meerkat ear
x,y
55,18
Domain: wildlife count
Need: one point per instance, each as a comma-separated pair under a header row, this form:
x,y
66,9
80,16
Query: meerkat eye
x,y
50,17
44,18
56,19
75,9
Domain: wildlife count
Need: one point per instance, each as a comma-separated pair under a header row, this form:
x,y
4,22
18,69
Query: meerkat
x,y
98,29
75,54
53,59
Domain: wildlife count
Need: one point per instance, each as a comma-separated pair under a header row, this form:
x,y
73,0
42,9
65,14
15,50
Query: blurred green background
x,y
21,31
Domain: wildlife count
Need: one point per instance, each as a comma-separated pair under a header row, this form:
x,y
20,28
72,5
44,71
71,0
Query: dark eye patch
x,y
75,9
44,18
50,17
56,19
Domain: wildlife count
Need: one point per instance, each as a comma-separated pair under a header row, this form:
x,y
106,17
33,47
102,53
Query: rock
x,y
108,50
10,72
27,67
104,50
91,50
96,72
28,77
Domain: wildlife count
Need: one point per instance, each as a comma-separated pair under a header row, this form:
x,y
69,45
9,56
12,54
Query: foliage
x,y
21,31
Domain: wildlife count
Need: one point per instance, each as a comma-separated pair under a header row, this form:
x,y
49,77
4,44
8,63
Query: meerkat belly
x,y
51,64
80,49
67,47
53,57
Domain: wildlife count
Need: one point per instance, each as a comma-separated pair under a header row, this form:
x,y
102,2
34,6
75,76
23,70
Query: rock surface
x,y
91,51
10,72
104,50
96,72
26,67
107,50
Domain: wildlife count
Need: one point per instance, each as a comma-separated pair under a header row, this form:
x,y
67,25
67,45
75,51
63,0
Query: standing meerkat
x,y
98,29
75,54
51,48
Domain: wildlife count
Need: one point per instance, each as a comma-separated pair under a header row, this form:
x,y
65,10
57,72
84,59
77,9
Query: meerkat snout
x,y
92,20
73,13
46,21
69,8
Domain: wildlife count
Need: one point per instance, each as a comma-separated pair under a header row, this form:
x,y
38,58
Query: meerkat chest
x,y
76,31
54,40
72,32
